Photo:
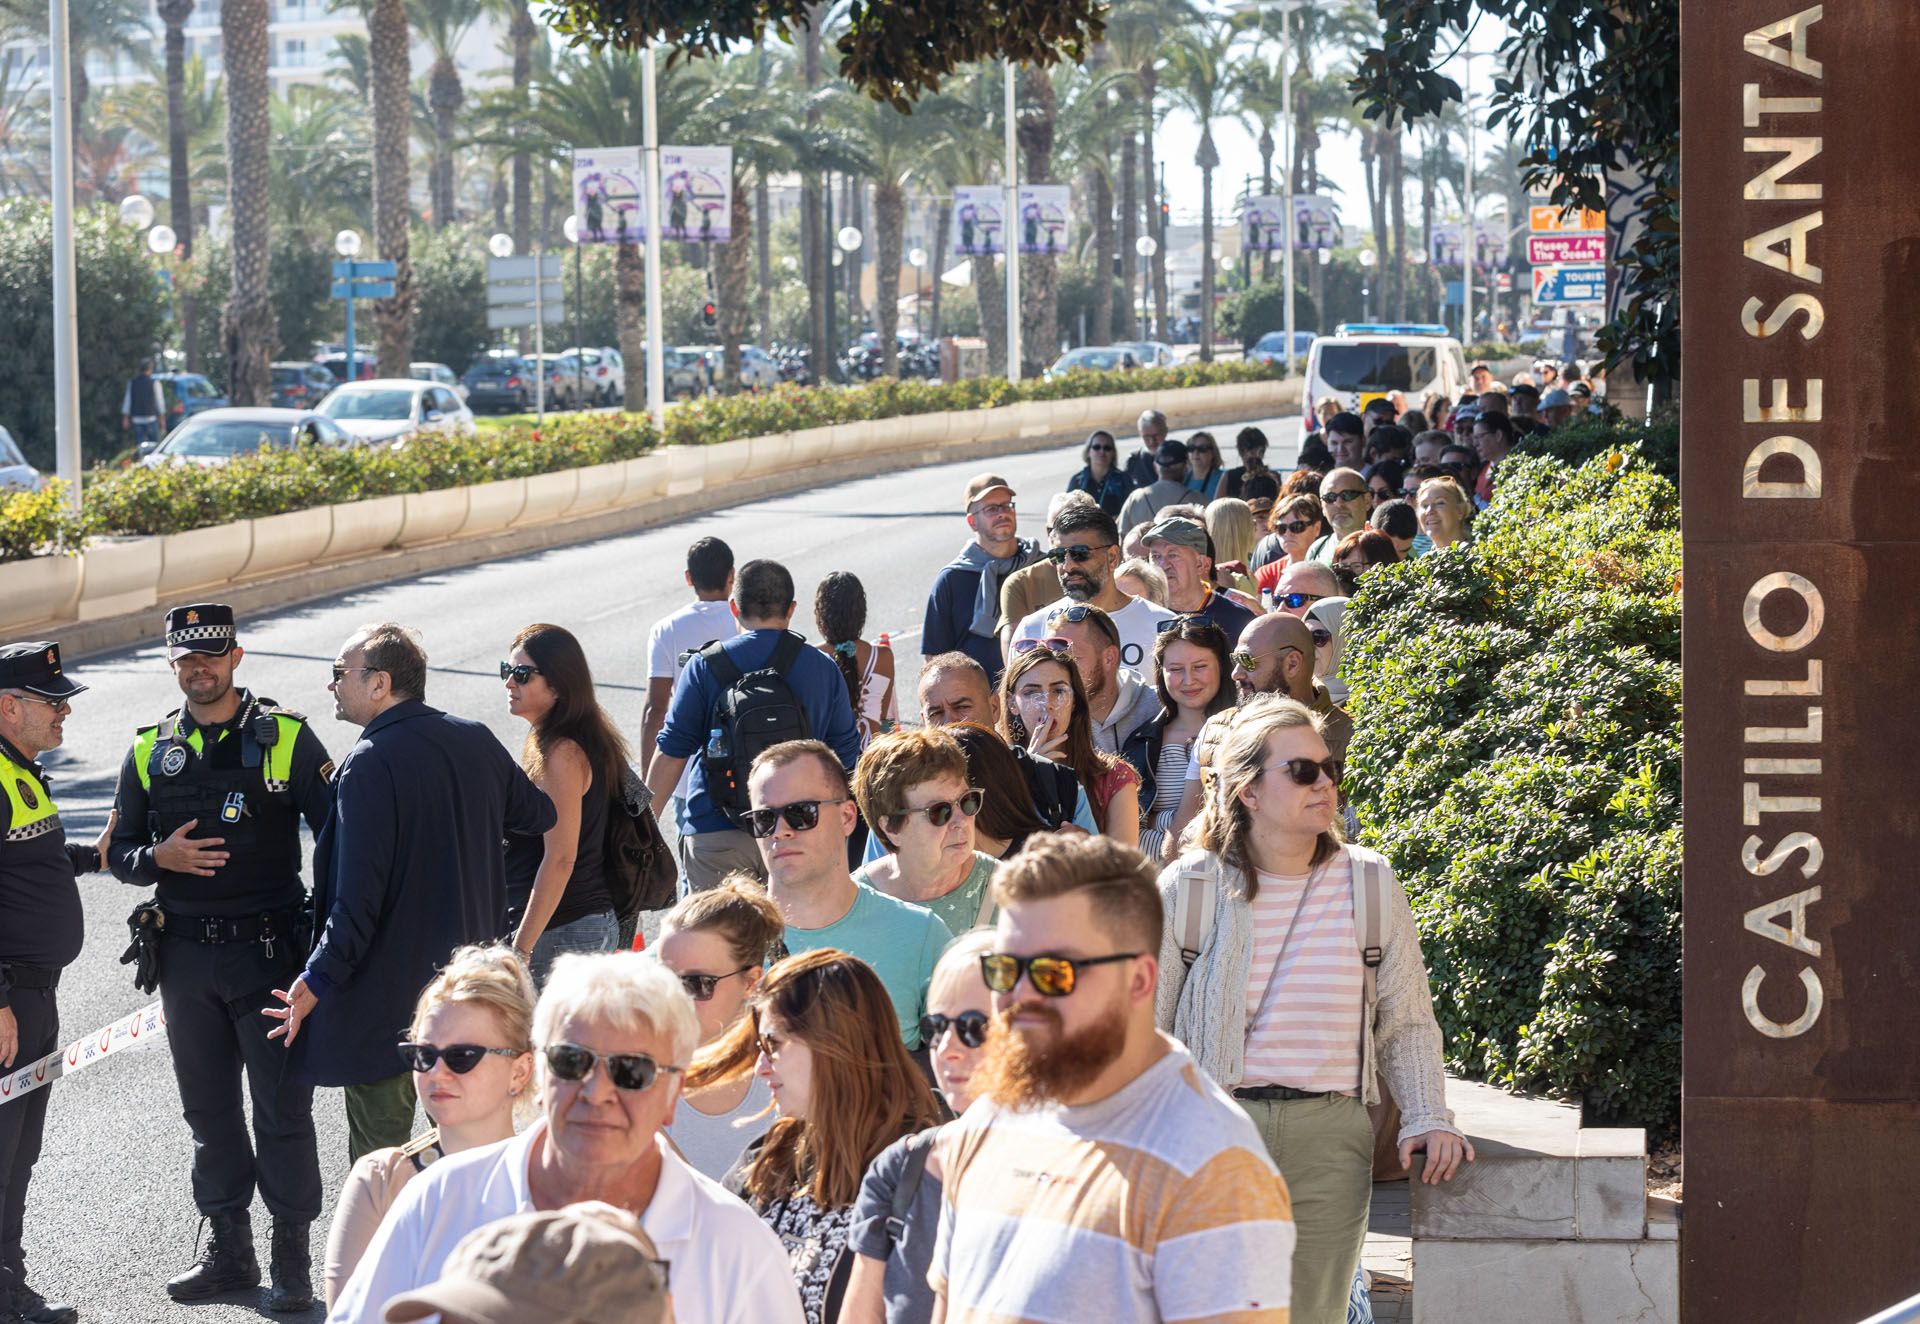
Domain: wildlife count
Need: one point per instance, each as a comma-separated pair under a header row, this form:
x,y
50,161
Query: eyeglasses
x,y
520,674
460,1058
995,508
1079,553
628,1071
1053,644
1307,772
700,987
58,705
1295,601
1341,498
969,1027
340,672
801,816
940,812
1051,976
1293,525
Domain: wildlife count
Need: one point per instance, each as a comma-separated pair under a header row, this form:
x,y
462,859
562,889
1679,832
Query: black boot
x,y
36,1309
291,1265
227,1264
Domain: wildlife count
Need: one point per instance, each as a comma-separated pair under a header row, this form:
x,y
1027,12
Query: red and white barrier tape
x,y
128,1032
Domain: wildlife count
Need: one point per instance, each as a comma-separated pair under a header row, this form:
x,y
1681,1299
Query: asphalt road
x,y
110,1215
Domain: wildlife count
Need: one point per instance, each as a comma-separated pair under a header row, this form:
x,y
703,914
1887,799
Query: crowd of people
x,y
1077,989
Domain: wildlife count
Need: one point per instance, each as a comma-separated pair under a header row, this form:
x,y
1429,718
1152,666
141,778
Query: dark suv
x,y
300,385
500,380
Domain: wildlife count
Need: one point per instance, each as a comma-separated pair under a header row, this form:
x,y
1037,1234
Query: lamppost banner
x,y
609,195
979,220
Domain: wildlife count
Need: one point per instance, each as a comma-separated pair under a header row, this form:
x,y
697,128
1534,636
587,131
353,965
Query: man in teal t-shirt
x,y
802,814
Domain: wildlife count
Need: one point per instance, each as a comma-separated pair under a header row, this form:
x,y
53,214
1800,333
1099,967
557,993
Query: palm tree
x,y
23,131
1039,272
1202,70
174,15
443,24
250,332
522,33
390,75
107,160
111,29
815,244
1143,30
1087,99
322,163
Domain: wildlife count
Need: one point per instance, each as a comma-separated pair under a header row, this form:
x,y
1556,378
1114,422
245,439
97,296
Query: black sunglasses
x,y
1105,450
627,1071
1307,772
520,674
1053,644
700,987
801,816
1321,638
1079,553
1294,525
460,1058
969,1027
1051,976
340,672
1175,622
940,812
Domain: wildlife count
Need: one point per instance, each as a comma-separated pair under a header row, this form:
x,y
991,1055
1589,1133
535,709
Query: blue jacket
x,y
409,867
1109,492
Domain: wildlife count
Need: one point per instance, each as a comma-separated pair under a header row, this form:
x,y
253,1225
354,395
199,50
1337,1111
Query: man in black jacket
x,y
409,867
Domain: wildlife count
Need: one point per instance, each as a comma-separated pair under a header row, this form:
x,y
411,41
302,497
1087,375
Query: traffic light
x,y
1164,209
709,315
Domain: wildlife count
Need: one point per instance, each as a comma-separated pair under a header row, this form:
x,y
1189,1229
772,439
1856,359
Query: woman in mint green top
x,y
913,793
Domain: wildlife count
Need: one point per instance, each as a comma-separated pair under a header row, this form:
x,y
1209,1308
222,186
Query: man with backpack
x,y
735,698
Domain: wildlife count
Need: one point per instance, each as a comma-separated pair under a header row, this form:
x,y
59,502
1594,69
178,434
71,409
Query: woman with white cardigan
x,y
1266,975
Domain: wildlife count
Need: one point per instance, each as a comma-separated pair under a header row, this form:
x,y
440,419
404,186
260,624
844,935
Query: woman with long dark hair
x,y
575,754
824,1036
1044,707
1193,674
840,612
1008,815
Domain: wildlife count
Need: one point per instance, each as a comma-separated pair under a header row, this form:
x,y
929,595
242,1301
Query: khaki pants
x,y
1324,1148
706,858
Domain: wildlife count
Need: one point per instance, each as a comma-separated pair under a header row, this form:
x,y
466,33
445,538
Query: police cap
x,y
204,627
35,667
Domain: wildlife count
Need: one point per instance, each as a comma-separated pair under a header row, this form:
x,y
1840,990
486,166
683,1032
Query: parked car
x,y
365,364
1094,358
563,385
686,373
601,378
391,409
1151,353
1272,347
15,473
758,370
438,372
500,379
186,393
214,436
299,385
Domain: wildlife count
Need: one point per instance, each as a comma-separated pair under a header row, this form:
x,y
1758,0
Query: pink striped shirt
x,y
1304,1003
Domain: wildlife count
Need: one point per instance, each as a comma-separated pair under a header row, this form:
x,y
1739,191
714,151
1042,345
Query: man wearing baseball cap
x,y
963,607
1184,553
40,934
1556,407
210,800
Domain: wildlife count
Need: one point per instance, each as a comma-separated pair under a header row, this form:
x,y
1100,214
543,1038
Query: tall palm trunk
x,y
174,14
816,259
522,31
763,258
1039,272
942,237
993,312
1397,216
444,98
250,333
889,221
629,319
731,261
1267,148
854,196
1149,85
1102,192
390,72
1208,159
1129,232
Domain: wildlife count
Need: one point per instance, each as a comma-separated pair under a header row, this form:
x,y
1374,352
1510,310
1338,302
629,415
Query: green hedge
x,y
174,499
1517,709
1583,437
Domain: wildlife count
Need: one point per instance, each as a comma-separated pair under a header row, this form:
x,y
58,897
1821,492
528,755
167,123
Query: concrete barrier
x,y
598,488
204,556
549,496
494,506
361,528
45,588
432,516
284,542
118,575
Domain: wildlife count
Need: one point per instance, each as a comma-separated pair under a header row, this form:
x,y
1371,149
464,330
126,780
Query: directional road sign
x,y
364,289
1566,249
502,293
1559,285
501,270
347,269
1548,220
522,315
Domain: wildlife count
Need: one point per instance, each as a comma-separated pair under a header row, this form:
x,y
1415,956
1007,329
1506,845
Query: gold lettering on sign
x,y
1762,248
1808,460
1753,105
1805,304
1792,583
1768,185
1777,409
1764,42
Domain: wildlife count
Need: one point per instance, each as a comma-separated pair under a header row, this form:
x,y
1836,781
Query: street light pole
x,y
650,168
1010,236
66,334
1286,164
1467,246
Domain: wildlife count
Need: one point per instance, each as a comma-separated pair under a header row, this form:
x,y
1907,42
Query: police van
x,y
1364,361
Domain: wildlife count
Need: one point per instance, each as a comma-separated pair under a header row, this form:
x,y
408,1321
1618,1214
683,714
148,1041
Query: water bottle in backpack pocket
x,y
756,711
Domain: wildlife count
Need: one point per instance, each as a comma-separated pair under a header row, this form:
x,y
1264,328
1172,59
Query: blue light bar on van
x,y
1391,329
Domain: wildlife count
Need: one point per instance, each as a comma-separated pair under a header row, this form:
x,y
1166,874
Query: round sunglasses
x,y
460,1058
969,1027
940,812
627,1071
1051,976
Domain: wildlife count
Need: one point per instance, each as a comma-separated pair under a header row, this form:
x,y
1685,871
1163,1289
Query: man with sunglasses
x,y
41,931
409,867
963,606
208,812
803,812
1302,585
1082,1097
1032,587
1343,495
1088,553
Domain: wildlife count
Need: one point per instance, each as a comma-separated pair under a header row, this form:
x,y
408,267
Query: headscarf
x,y
1332,614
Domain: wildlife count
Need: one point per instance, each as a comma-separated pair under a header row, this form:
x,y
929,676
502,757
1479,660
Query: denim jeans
x,y
145,430
589,933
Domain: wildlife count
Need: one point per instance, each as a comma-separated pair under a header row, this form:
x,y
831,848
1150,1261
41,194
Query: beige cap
x,y
980,485
585,1264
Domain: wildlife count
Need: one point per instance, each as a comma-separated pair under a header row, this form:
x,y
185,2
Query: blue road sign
x,y
363,289
346,270
1554,285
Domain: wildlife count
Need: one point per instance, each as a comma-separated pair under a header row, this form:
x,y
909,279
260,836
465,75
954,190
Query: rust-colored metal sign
x,y
1800,267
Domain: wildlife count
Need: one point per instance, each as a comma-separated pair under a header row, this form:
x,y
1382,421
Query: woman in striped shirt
x,y
1263,976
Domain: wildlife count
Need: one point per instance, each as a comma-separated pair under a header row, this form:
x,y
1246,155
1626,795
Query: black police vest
x,y
259,823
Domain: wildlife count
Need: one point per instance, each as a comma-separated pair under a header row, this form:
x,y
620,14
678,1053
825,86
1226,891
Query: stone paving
x,y
1388,1254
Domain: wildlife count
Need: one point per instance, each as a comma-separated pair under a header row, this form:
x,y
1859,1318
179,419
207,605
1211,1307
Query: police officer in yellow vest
x,y
210,802
40,933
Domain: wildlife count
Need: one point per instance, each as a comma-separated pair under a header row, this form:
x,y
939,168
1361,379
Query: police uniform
x,y
223,942
40,933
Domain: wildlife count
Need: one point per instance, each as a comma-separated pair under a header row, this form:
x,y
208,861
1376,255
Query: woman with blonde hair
x,y
1142,579
1230,524
1291,966
823,1034
716,942
1444,509
471,1051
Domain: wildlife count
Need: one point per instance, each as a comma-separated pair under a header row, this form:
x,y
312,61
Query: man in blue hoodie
x,y
964,606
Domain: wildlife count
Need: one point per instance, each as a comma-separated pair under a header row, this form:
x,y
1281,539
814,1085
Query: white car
x,y
439,373
15,473
215,436
391,409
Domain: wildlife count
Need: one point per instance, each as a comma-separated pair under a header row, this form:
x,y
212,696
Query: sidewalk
x,y
1388,1254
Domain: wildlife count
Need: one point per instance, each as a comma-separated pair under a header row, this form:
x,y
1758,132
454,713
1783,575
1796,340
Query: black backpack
x,y
639,865
756,711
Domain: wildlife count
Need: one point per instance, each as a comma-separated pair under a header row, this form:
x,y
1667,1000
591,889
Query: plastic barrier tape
x,y
128,1032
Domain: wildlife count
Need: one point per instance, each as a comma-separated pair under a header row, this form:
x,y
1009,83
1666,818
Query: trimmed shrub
x,y
1582,437
1517,755
37,524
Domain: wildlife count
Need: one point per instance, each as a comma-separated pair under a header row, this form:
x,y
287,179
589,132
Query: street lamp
x,y
1146,246
136,213
501,245
846,243
1367,259
347,244
916,258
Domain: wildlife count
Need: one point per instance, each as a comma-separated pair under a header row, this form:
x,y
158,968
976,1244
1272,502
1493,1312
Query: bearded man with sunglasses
x,y
1087,551
1104,1176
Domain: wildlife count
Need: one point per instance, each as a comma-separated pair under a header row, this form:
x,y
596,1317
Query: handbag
x,y
640,868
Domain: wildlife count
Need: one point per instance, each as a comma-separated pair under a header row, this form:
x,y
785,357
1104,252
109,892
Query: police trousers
x,y
213,996
22,1122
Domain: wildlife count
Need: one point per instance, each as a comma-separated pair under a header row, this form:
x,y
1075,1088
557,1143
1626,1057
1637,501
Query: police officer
x,y
40,933
210,802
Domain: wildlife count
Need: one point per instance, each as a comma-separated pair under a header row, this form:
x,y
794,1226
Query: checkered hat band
x,y
194,634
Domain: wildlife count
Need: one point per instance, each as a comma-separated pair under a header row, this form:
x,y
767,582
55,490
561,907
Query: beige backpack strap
x,y
1369,899
985,917
1193,903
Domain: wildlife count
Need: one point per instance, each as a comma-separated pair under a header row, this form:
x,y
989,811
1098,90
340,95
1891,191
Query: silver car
x,y
215,436
15,473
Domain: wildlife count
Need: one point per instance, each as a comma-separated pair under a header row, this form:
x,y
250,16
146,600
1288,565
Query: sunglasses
x,y
460,1058
1321,638
1053,644
940,812
1100,450
1293,526
1307,772
801,816
969,1027
1341,498
1199,450
340,672
519,675
1246,661
1079,553
700,987
1051,976
1295,601
628,1071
